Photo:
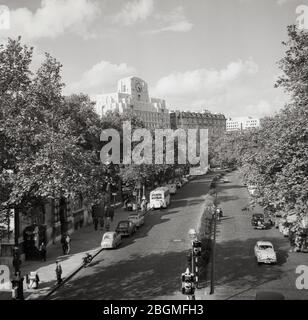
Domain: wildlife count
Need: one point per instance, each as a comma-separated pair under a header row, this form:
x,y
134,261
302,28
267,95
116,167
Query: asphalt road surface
x,y
237,274
149,264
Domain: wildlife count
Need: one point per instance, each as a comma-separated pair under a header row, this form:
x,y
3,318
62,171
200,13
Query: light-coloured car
x,y
111,240
137,219
265,253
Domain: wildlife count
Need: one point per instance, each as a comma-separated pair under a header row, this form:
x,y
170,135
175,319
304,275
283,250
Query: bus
x,y
160,198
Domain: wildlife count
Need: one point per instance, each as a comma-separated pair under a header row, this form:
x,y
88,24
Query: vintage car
x,y
184,180
178,184
126,228
172,188
256,217
111,240
137,219
265,253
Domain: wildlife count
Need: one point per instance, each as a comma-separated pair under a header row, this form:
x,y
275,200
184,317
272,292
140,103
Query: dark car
x,y
257,217
126,228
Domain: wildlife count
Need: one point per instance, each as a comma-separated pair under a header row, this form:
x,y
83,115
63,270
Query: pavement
x,y
237,274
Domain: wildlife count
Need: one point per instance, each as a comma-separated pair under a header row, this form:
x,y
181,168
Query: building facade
x,y
133,96
215,123
242,123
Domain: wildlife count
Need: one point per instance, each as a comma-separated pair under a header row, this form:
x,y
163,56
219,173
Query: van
x,y
160,198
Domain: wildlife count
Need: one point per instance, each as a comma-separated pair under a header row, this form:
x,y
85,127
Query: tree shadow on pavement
x,y
158,275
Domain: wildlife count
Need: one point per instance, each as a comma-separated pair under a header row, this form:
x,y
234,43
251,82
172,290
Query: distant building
x,y
132,96
215,123
242,123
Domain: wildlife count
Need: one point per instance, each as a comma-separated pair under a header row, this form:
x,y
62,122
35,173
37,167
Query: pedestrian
x,y
63,242
101,222
68,243
58,272
111,212
43,251
95,222
108,220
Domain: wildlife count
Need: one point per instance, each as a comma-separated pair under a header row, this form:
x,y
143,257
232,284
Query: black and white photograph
x,y
153,150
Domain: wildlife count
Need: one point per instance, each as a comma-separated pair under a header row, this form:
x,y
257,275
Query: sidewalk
x,y
84,240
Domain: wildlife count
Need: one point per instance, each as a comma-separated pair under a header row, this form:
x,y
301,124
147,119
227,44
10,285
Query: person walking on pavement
x,y
63,242
43,251
95,222
108,222
68,243
58,272
111,213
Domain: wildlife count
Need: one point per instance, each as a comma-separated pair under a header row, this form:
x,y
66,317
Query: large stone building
x,y
133,96
215,123
242,123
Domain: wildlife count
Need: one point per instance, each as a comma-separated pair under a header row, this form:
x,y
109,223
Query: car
x,y
111,240
265,253
257,217
225,180
126,228
184,180
178,184
172,188
137,219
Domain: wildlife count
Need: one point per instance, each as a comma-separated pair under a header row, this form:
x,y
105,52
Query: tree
x,y
49,143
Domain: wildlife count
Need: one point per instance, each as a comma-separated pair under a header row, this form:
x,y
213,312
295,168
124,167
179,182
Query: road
x,y
149,264
237,275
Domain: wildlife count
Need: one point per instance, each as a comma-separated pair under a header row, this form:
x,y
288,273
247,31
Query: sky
x,y
196,54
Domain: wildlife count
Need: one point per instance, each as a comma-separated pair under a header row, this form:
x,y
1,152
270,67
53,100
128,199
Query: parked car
x,y
172,188
184,180
126,228
111,240
257,217
137,219
265,253
178,184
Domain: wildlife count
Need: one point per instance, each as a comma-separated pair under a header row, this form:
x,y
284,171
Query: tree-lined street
x,y
149,264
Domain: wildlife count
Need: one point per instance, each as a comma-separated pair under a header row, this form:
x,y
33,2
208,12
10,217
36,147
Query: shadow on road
x,y
156,276
236,264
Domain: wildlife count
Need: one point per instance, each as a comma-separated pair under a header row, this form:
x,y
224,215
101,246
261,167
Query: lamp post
x,y
17,281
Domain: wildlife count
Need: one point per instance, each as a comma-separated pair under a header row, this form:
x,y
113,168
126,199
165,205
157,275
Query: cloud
x,y
134,11
175,21
203,81
101,78
54,18
235,90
